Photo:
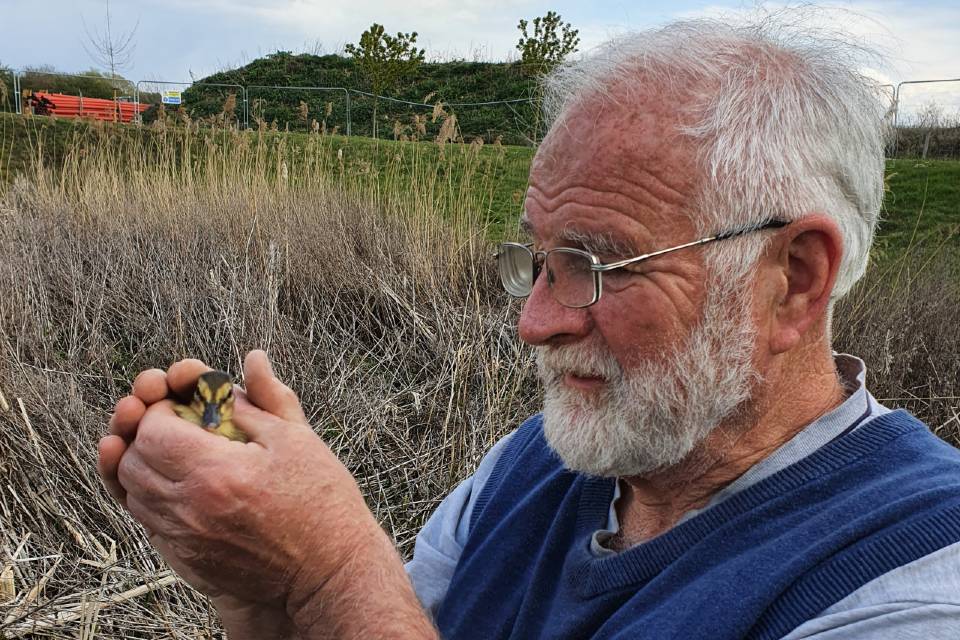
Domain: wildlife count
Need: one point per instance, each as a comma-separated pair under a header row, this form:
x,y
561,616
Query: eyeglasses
x,y
574,276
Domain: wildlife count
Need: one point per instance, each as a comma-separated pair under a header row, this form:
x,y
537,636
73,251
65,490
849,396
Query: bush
x,y
93,85
928,142
6,89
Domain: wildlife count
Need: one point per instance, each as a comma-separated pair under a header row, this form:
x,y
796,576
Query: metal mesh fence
x,y
927,123
926,113
28,87
509,121
304,109
223,104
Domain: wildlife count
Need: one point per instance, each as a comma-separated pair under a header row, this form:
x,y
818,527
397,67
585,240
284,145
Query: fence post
x,y
16,92
246,108
896,119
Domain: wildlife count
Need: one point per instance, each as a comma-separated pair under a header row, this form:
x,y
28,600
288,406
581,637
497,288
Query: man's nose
x,y
544,321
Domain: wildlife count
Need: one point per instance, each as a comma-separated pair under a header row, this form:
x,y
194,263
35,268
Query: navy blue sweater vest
x,y
756,565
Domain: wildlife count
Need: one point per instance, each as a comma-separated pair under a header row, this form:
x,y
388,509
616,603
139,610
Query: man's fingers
x,y
141,480
258,424
171,445
151,386
126,416
182,376
268,393
111,449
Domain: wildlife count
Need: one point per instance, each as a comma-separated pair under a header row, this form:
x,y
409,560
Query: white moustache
x,y
585,361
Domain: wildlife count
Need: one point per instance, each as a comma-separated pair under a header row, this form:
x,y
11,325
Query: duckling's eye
x,y
229,393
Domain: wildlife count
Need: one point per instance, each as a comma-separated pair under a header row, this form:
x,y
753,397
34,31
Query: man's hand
x,y
274,525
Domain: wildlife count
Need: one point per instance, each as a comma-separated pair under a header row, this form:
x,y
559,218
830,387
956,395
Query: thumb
x,y
266,392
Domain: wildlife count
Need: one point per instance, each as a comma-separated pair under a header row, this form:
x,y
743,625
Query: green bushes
x,y
457,81
93,84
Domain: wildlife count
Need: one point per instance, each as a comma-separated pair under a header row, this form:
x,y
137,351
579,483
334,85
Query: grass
x,y
501,169
364,268
922,207
371,287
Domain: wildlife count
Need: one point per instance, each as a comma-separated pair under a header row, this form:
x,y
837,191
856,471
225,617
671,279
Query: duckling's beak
x,y
211,415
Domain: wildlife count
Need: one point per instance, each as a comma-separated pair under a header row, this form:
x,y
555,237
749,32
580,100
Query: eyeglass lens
x,y
515,263
570,277
571,280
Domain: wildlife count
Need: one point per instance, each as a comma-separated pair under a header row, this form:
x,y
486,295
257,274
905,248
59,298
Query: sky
x,y
177,40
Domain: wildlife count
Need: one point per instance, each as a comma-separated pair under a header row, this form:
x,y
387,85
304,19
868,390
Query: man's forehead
x,y
637,156
613,135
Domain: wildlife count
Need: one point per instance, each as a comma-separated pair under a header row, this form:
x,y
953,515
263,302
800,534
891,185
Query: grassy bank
x,y
921,209
363,268
492,175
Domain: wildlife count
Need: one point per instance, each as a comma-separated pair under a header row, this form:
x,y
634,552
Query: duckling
x,y
212,406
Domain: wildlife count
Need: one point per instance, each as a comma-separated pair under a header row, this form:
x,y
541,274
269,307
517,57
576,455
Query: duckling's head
x,y
213,398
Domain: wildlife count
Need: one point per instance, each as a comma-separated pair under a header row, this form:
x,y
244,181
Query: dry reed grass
x,y
377,305
375,296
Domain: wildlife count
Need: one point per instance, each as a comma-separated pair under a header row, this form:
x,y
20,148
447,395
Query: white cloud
x,y
450,28
916,43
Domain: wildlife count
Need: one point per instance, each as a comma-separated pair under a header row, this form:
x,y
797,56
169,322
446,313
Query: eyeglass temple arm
x,y
773,224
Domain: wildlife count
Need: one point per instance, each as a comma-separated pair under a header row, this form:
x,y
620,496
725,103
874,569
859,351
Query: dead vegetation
x,y
376,298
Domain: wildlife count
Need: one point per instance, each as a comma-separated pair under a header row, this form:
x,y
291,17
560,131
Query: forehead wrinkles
x,y
610,191
635,151
574,204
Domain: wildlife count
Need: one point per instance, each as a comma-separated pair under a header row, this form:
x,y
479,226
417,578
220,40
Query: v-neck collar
x,y
640,563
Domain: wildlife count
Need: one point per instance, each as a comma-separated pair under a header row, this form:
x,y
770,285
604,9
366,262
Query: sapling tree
x,y
385,60
541,49
548,44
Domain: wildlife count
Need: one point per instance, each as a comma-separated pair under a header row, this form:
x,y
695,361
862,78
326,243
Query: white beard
x,y
651,417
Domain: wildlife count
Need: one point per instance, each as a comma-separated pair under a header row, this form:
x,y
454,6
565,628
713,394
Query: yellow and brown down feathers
x,y
212,406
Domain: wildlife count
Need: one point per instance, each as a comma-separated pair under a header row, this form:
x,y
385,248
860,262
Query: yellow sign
x,y
172,97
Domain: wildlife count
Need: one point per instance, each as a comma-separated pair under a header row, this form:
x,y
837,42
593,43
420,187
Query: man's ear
x,y
807,259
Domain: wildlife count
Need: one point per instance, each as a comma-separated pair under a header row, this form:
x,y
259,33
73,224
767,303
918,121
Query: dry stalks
x,y
378,307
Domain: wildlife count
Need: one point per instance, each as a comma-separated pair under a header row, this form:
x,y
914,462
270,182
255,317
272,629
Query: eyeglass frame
x,y
597,268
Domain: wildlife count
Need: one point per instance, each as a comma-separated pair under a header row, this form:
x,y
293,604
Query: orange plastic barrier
x,y
76,107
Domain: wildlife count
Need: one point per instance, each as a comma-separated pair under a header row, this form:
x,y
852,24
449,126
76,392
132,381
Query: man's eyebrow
x,y
605,243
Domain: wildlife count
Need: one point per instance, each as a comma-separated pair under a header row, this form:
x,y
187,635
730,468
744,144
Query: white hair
x,y
783,123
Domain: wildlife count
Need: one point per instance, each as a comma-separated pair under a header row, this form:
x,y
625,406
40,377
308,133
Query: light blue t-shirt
x,y
920,600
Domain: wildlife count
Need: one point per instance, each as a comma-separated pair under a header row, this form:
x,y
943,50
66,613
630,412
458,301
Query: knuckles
x,y
152,434
219,489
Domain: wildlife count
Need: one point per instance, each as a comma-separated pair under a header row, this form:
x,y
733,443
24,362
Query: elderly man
x,y
704,466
